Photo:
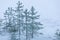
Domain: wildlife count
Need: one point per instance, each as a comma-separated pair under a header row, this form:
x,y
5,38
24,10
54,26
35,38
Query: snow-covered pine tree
x,y
26,23
19,17
10,24
35,25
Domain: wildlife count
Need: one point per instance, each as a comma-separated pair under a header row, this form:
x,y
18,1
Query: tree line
x,y
19,22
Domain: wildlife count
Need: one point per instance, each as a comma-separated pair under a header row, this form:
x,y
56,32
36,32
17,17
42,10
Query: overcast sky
x,y
48,9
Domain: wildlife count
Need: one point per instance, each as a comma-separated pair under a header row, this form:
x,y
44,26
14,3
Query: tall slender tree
x,y
26,23
19,11
35,26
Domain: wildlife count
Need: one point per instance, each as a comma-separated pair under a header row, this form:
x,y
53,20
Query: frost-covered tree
x,y
10,24
35,25
26,23
19,17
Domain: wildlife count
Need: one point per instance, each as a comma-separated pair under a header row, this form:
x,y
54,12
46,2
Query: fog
x,y
49,11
